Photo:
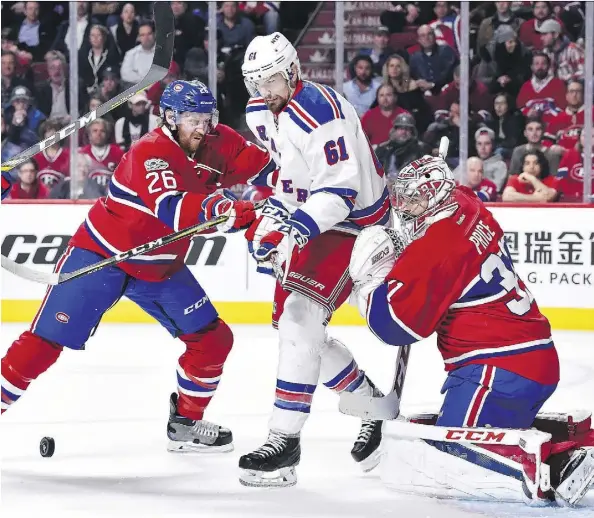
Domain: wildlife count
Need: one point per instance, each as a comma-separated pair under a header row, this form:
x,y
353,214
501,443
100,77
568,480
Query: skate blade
x,y
284,477
371,462
191,447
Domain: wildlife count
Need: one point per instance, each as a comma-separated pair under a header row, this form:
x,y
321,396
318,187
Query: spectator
x,y
565,128
189,31
94,60
139,122
10,79
22,118
433,65
402,147
236,29
507,63
10,142
83,28
566,57
28,187
105,12
53,161
397,72
103,156
399,17
380,51
31,35
479,97
542,94
125,32
506,124
109,88
571,171
83,188
533,184
494,167
266,13
378,121
138,61
444,25
502,16
529,31
484,188
534,133
361,90
154,92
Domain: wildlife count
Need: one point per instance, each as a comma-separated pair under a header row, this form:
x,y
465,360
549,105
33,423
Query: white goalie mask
x,y
269,59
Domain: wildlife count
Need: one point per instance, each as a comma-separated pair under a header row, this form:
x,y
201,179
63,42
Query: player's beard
x,y
276,104
190,143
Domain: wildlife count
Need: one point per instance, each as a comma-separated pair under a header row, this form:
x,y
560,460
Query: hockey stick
x,y
54,279
388,406
164,39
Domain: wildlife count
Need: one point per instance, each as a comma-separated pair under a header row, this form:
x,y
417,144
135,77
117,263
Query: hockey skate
x,y
576,477
273,463
186,435
366,450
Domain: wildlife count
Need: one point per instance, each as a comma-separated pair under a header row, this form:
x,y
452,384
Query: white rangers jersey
x,y
329,175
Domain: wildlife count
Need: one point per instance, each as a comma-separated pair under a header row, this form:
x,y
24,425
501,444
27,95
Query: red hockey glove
x,y
241,213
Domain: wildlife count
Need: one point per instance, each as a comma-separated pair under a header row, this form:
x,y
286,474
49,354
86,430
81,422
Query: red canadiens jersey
x,y
565,128
571,175
156,190
53,169
102,162
545,98
458,280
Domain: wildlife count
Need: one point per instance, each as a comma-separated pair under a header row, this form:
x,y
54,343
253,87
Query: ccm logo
x,y
474,436
196,305
380,255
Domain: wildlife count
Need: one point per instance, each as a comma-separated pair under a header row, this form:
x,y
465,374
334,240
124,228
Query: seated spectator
x,y
503,16
572,18
53,161
410,97
28,187
506,63
534,133
479,97
139,122
103,156
10,143
484,188
378,121
529,31
403,146
81,187
266,13
138,61
565,127
542,94
444,25
533,184
380,51
566,57
507,125
83,27
22,118
432,66
494,166
10,79
95,58
361,90
189,31
155,91
399,17
105,12
125,32
109,87
571,171
32,35
236,29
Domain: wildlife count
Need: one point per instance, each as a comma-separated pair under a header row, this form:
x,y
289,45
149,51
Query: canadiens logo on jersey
x,y
577,172
49,177
100,176
546,105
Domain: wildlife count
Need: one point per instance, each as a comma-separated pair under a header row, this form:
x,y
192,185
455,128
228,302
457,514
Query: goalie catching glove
x,y
240,213
374,255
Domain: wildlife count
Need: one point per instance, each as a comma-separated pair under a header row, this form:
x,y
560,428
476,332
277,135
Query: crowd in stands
x,y
526,93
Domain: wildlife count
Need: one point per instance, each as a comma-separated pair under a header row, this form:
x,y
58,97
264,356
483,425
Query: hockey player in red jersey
x,y
166,182
455,277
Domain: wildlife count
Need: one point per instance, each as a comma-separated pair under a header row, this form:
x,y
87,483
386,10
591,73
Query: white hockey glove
x,y
374,255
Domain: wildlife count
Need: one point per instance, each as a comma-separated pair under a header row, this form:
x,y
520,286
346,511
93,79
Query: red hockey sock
x,y
28,357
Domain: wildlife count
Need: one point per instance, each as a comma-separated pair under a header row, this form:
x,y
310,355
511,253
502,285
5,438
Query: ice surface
x,y
107,409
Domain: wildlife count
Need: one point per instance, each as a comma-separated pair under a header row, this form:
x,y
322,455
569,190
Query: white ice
x,y
107,409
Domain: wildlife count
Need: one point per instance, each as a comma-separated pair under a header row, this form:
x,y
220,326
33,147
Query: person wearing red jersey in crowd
x,y
533,184
484,188
28,186
154,92
377,122
480,100
104,155
165,183
543,93
571,171
566,127
53,161
567,58
529,33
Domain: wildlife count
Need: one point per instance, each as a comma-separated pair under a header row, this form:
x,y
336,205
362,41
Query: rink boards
x,y
552,245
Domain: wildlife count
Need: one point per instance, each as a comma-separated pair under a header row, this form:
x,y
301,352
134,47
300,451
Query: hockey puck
x,y
47,446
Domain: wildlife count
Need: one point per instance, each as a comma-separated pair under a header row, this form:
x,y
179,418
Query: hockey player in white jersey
x,y
330,186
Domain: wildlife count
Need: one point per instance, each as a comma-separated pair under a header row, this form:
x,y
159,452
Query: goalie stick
x,y
164,39
388,406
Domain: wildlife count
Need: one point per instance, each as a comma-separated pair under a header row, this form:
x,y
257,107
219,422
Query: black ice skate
x,y
186,435
273,463
366,450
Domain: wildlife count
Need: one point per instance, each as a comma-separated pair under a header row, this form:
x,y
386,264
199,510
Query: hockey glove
x,y
240,213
